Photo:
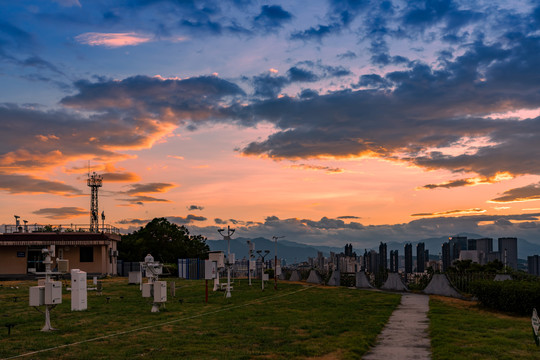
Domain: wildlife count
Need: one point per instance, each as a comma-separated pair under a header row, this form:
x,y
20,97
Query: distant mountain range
x,y
294,252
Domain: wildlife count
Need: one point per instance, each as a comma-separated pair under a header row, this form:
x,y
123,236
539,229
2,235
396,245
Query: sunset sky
x,y
328,122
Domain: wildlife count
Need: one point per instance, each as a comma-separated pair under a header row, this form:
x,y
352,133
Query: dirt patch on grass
x,y
475,306
336,355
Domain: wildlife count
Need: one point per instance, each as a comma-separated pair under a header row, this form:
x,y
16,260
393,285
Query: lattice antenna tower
x,y
95,181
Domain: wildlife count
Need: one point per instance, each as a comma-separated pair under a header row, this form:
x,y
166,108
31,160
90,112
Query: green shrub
x,y
511,296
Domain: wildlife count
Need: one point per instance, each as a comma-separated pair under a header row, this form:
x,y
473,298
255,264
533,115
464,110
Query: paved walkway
x,y
405,336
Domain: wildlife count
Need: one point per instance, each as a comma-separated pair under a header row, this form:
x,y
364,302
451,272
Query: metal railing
x,y
63,228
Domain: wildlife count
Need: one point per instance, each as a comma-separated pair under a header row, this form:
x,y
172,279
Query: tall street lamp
x,y
275,259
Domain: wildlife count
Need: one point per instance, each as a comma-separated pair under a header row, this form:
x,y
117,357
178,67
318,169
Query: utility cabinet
x,y
79,290
37,295
210,269
53,292
160,291
147,289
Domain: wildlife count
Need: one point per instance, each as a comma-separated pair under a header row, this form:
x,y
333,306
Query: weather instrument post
x,y
275,260
263,275
48,294
230,261
251,247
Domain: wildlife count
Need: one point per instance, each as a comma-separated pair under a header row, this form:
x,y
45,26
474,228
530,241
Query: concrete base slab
x,y
405,336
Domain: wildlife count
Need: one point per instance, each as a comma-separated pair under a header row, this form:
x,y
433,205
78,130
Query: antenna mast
x,y
94,182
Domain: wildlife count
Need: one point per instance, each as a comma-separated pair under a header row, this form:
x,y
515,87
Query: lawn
x,y
462,330
296,321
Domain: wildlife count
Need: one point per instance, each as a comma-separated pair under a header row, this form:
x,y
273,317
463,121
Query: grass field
x,y
297,321
461,330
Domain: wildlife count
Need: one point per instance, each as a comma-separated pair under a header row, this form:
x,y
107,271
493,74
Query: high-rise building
x,y
408,259
457,243
446,256
420,257
383,257
533,265
374,261
394,261
484,247
508,251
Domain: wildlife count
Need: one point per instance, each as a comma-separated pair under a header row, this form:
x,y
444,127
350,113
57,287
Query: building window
x,y
87,254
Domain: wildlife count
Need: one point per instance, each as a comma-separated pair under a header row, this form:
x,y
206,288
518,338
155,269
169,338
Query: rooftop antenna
x,y
17,223
25,225
94,182
230,262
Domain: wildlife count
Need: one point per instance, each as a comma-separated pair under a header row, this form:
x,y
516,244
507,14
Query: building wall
x,y
10,263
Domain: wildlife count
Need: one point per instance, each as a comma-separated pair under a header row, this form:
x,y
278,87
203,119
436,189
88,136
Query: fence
x,y
191,269
462,281
124,267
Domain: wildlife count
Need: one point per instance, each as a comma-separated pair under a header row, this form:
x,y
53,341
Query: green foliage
x,y
463,266
460,330
167,242
295,322
511,296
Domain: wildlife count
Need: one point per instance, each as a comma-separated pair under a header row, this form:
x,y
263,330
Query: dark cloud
x,y
195,207
137,189
133,221
348,217
335,232
450,184
272,16
120,177
412,113
137,192
347,55
142,199
179,220
268,85
525,193
188,98
327,169
316,33
25,184
61,213
296,74
128,114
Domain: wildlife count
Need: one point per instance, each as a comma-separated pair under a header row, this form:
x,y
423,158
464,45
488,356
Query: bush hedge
x,y
517,297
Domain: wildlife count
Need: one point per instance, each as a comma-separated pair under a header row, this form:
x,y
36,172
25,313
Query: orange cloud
x,y
450,213
61,213
112,40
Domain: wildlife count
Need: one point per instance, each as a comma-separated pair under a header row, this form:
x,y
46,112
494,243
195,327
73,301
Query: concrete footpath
x,y
405,336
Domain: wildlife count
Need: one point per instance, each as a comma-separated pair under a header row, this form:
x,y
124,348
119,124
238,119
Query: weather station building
x,y
90,248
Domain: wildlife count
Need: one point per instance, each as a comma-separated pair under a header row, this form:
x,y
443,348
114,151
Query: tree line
x,y
166,241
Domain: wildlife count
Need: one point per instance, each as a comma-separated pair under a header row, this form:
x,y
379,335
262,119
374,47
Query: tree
x,y
167,242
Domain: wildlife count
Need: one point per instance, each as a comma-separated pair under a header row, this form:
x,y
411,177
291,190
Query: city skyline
x,y
328,123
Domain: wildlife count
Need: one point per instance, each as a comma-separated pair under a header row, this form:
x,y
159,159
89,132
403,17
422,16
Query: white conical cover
x,y
295,276
362,280
394,283
314,277
335,279
440,285
502,277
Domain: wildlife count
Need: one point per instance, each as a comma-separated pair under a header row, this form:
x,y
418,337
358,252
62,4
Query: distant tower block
x,y
94,182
